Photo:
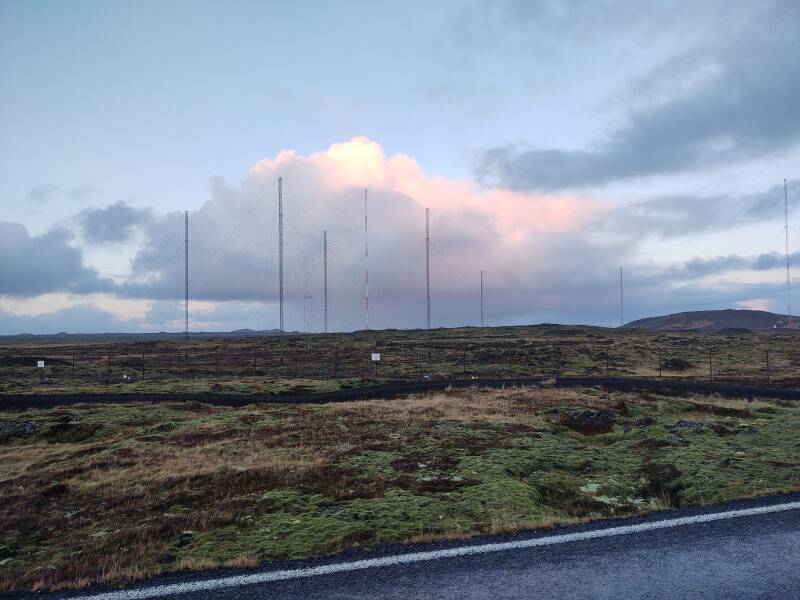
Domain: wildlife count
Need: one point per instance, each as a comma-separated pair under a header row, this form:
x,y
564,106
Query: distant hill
x,y
708,321
137,337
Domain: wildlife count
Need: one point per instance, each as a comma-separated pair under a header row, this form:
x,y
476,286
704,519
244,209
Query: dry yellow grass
x,y
511,405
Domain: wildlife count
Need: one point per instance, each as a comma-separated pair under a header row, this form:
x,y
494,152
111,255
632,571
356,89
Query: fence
x,y
762,360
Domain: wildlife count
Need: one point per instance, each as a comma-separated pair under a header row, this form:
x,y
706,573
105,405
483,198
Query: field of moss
x,y
113,493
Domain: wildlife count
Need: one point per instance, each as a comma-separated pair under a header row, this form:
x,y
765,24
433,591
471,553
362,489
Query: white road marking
x,y
413,557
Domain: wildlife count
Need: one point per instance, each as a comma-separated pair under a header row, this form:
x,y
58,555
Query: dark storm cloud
x,y
31,265
745,105
676,216
114,223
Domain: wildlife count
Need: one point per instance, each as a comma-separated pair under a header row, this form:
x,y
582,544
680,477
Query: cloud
x,y
112,224
82,193
31,265
698,268
42,193
81,318
677,216
741,102
540,255
233,237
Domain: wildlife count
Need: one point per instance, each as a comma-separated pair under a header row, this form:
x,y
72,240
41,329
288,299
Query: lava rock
x,y
676,364
586,420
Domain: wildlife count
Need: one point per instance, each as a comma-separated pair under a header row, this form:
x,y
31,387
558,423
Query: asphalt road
x,y
754,556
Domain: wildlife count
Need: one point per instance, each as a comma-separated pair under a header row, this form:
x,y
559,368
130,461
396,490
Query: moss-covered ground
x,y
118,492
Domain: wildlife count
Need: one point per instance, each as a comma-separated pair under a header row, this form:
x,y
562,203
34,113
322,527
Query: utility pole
x,y
366,261
186,274
621,301
481,297
788,278
325,277
428,265
280,251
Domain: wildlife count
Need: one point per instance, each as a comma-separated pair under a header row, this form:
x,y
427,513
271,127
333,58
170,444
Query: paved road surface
x,y
753,556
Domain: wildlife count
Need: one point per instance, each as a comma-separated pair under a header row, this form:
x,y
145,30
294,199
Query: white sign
x,y
376,357
40,364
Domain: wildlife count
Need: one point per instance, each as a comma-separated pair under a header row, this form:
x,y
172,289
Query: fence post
x,y
659,362
336,362
710,369
558,361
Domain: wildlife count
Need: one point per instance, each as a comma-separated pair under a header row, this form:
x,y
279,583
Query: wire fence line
x,y
319,358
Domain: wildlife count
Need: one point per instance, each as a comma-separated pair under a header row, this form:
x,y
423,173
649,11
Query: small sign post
x,y
376,358
40,366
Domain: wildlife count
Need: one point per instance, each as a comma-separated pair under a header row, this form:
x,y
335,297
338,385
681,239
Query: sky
x,y
554,143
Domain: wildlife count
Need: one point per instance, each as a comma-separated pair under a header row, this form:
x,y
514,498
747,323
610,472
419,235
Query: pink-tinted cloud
x,y
361,162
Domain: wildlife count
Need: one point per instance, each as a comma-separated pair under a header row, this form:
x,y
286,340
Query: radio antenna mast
x,y
788,277
325,278
280,251
428,265
366,261
481,297
186,274
308,315
621,301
